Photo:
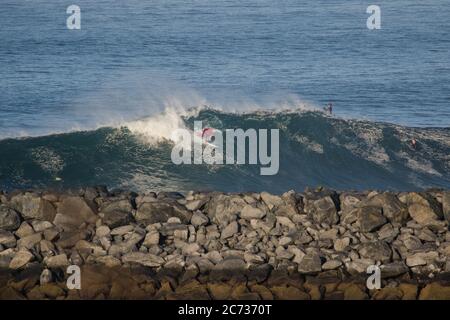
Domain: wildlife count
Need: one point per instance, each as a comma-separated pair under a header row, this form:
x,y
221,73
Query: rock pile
x,y
316,244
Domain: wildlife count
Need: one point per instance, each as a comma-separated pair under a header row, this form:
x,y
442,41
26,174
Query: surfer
x,y
207,133
330,108
413,143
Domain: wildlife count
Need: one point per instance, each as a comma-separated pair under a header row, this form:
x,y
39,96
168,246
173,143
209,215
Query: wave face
x,y
315,150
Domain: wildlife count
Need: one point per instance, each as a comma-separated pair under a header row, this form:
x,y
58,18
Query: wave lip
x,y
315,149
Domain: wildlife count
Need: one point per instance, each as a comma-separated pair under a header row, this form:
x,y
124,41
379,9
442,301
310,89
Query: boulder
x,y
310,263
9,219
446,205
154,212
424,208
7,239
435,291
73,212
145,259
230,230
117,213
377,250
370,218
249,212
58,261
32,206
323,210
393,209
21,258
221,209
423,215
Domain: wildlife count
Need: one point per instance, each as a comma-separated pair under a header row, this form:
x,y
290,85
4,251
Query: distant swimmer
x,y
413,143
329,108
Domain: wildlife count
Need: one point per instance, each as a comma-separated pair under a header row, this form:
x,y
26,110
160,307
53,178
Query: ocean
x,y
97,106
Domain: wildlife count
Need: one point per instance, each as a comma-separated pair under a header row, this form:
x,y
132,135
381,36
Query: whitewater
x,y
315,150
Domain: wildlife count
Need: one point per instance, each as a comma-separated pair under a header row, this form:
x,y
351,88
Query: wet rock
x,y
9,219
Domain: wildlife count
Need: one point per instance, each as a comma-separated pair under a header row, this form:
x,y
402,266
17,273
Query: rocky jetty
x,y
208,245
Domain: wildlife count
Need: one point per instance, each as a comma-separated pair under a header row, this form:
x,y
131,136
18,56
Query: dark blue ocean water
x,y
132,59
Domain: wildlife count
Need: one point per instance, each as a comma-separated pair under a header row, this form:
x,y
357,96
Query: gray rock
x,y
446,205
39,225
249,212
58,261
190,249
102,231
195,204
117,213
423,215
120,231
378,251
393,209
145,259
73,212
323,210
30,241
154,212
331,265
24,230
21,258
7,239
199,219
341,244
271,201
230,230
370,218
9,219
32,206
151,238
393,269
221,209
310,263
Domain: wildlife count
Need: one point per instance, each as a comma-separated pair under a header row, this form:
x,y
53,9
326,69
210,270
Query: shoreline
x,y
213,245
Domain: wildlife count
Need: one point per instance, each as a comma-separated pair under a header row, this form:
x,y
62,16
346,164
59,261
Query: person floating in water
x,y
413,143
